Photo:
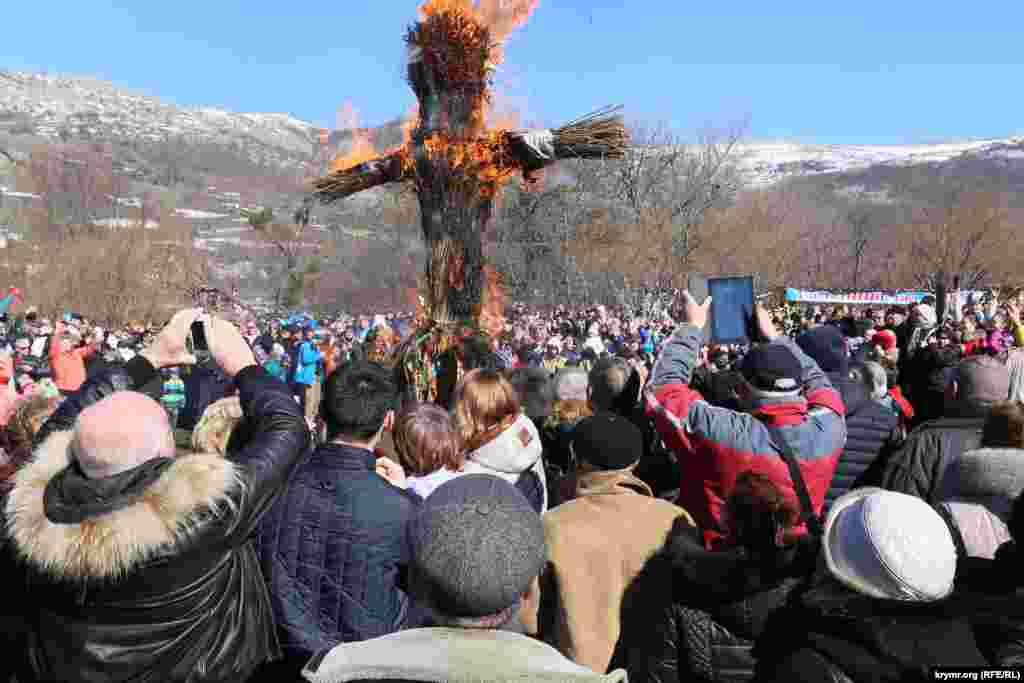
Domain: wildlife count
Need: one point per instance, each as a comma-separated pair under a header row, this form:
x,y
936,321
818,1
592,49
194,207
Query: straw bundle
x,y
599,135
349,181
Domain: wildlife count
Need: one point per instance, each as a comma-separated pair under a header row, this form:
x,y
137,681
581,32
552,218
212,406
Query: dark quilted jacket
x,y
721,605
870,427
917,468
333,553
716,646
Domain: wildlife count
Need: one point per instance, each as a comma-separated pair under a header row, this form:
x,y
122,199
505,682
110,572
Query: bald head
x,y
119,433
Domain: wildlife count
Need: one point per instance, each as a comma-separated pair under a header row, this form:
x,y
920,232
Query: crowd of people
x,y
601,494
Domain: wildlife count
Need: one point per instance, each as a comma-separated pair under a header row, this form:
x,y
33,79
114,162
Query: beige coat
x,y
599,570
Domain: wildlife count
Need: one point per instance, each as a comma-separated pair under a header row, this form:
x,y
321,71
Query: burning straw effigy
x,y
598,135
457,166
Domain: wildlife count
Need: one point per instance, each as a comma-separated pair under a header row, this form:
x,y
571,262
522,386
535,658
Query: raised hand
x,y
686,310
168,348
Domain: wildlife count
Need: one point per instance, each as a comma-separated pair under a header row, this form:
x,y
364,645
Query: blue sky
x,y
829,72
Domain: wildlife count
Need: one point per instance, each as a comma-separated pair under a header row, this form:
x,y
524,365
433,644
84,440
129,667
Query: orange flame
x,y
362,151
412,120
362,140
484,159
492,307
502,17
505,16
504,120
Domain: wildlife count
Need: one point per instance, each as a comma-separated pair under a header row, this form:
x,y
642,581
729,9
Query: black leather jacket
x,y
194,609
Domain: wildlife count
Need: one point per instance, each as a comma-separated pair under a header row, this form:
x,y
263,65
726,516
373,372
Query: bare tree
x,y
862,232
113,274
291,242
971,235
607,230
679,182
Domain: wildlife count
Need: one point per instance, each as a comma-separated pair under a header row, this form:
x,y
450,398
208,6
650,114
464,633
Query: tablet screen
x,y
732,309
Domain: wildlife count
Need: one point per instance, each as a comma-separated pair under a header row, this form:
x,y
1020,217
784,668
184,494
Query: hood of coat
x,y
516,449
992,477
165,514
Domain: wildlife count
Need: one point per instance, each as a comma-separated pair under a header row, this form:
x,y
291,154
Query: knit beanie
x,y
476,545
607,441
886,339
982,381
827,347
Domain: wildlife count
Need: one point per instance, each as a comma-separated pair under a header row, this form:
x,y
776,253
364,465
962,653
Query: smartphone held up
x,y
197,343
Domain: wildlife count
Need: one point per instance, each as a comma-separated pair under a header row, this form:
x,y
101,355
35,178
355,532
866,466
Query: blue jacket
x,y
276,369
332,549
306,360
5,303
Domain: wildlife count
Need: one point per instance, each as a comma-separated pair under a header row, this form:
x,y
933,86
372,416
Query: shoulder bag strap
x,y
807,515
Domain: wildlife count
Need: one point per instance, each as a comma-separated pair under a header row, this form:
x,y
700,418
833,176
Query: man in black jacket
x,y
870,427
919,466
332,547
138,562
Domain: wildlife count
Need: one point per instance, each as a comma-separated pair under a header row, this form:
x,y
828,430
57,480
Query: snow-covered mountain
x,y
83,108
764,163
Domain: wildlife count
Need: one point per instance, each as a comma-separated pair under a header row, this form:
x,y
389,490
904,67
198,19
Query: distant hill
x,y
217,162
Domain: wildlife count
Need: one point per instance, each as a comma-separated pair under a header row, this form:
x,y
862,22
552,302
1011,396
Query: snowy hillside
x,y
766,163
59,107
84,108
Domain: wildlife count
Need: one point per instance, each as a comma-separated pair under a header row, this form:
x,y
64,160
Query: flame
x,y
362,151
412,120
484,159
501,17
492,307
505,120
362,140
481,155
505,16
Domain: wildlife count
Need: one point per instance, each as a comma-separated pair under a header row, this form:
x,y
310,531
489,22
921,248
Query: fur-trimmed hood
x,y
993,477
166,514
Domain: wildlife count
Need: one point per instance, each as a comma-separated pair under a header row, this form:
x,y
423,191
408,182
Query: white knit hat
x,y
890,546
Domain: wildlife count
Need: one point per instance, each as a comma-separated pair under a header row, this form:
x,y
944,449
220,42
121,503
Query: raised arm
x,y
276,434
166,350
678,358
679,354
